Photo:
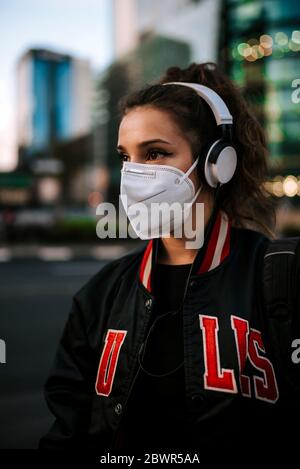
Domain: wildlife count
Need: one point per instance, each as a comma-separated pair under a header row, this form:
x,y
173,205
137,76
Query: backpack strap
x,y
280,276
281,297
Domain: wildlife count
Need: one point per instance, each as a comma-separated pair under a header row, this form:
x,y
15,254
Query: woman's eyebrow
x,y
146,142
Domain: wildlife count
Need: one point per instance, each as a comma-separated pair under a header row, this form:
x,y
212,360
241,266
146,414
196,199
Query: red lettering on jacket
x,y
265,388
108,361
249,345
215,377
241,333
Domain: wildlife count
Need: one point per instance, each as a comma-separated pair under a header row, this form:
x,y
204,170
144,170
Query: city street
x,y
35,298
97,160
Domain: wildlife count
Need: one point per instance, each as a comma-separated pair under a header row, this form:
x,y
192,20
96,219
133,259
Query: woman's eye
x,y
155,154
151,155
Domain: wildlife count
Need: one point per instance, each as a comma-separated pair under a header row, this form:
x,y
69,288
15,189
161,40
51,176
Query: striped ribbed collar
x,y
217,249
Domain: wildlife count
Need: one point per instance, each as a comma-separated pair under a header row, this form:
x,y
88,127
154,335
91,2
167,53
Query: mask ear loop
x,y
186,175
197,193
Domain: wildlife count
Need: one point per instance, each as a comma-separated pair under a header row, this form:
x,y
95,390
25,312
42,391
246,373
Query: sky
x,y
78,27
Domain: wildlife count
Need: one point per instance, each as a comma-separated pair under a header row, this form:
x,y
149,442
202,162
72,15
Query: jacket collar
x,y
208,257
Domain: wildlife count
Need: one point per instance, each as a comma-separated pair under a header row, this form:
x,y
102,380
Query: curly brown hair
x,y
244,198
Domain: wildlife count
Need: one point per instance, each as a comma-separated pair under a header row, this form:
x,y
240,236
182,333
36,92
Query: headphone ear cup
x,y
202,160
220,163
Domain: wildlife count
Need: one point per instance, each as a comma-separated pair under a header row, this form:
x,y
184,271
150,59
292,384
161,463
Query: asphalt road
x,y
35,299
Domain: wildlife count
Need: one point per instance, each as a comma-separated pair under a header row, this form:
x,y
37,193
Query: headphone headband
x,y
220,159
216,103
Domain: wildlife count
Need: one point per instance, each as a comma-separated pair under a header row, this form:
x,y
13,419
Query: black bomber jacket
x,y
228,354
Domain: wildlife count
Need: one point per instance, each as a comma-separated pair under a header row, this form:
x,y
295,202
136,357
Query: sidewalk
x,y
48,253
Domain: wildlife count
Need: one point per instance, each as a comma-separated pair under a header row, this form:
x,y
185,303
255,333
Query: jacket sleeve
x,y
69,388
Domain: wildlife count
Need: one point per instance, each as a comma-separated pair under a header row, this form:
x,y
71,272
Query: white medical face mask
x,y
143,190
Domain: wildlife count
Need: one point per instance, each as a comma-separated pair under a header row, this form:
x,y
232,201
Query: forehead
x,y
146,120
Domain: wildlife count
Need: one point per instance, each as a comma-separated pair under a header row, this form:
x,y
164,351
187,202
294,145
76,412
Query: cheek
x,y
199,176
195,179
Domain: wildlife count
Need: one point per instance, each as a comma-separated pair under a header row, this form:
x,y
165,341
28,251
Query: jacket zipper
x,y
111,446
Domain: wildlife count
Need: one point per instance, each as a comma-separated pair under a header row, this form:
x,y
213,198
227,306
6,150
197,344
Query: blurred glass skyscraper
x,y
53,101
261,48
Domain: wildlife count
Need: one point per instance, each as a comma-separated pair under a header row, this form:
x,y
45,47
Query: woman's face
x,y
150,135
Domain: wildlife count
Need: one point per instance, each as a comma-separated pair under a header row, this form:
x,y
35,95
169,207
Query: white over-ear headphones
x,y
220,159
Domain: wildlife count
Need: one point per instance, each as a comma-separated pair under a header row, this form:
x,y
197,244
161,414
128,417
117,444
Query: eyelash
x,y
164,153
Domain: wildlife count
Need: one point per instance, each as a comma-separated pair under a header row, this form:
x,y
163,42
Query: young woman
x,y
167,346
